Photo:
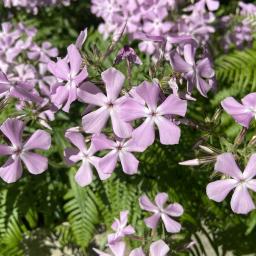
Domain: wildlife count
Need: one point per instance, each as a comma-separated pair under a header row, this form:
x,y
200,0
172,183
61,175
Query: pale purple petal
x,y
5,150
189,54
153,220
146,204
108,163
118,248
171,225
241,201
239,112
77,139
13,128
218,190
149,93
95,121
39,140
159,248
168,131
114,81
11,171
178,64
75,59
161,199
35,163
226,164
174,209
84,175
137,252
129,162
173,105
250,170
101,142
145,133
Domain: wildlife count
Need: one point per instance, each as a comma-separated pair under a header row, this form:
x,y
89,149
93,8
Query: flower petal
x,y
171,225
241,201
250,170
39,140
218,190
226,164
11,171
108,163
147,205
118,248
5,150
168,131
13,128
153,220
35,163
161,199
173,105
129,162
174,209
239,112
179,64
149,93
137,252
77,139
114,81
95,121
84,175
159,248
75,59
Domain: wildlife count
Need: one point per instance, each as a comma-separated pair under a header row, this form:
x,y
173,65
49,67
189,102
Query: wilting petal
x,y
35,163
145,133
131,110
178,64
171,225
129,162
13,128
250,170
159,248
149,93
121,128
76,139
147,205
84,175
226,164
174,209
241,201
161,199
114,81
137,252
153,220
173,105
108,163
11,171
168,131
218,190
39,140
95,121
75,59
5,150
240,113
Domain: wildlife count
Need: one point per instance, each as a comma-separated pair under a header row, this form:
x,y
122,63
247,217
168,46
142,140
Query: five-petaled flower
x,y
11,171
160,211
144,104
241,201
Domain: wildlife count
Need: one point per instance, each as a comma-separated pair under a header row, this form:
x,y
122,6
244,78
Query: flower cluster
x,y
116,241
32,6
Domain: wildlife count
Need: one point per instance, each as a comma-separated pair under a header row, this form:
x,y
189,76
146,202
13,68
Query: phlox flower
x,y
80,152
121,228
199,74
242,113
160,211
147,107
119,150
241,201
70,75
109,104
157,248
128,53
19,152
